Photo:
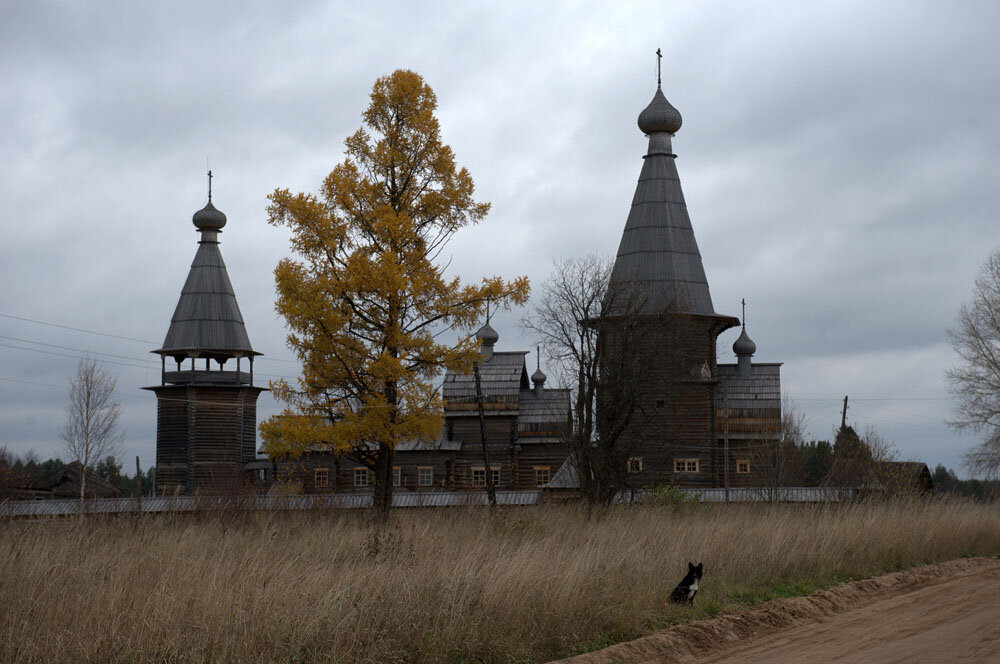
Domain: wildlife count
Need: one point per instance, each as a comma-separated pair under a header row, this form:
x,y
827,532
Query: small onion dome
x,y
538,377
659,116
744,345
209,219
487,335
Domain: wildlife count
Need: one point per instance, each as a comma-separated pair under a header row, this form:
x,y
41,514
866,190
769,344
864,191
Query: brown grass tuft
x,y
444,585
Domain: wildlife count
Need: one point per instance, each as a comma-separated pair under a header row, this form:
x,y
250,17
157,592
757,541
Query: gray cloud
x,y
838,161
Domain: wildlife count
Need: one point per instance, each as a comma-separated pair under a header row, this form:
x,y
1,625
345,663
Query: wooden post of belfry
x,y
490,490
138,484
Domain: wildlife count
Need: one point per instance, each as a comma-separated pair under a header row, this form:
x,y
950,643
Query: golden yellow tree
x,y
365,296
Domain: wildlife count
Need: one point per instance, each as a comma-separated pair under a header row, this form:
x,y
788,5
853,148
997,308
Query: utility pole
x,y
725,413
138,484
843,417
490,490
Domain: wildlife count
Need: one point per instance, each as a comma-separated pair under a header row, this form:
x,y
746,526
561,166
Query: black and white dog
x,y
688,587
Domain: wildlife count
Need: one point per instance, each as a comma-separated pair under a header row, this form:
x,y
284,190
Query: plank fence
x,y
183,504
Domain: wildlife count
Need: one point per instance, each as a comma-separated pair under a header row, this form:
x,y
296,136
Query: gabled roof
x,y
207,319
66,482
502,378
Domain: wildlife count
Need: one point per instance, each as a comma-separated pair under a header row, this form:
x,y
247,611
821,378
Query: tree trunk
x,y
382,491
490,490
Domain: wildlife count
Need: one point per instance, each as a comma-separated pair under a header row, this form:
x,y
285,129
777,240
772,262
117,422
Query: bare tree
x,y
92,430
975,381
593,336
775,455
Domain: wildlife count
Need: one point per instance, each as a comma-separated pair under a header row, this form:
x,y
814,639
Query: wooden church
x,y
696,422
206,402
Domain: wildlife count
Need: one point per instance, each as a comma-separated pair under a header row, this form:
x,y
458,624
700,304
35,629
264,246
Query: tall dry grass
x,y
446,585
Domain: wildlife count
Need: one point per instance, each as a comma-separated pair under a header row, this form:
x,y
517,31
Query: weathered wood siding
x,y
204,436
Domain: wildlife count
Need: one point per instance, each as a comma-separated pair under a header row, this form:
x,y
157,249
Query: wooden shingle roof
x,y
207,320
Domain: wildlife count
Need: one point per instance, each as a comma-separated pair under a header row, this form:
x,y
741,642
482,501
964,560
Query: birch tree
x,y
92,430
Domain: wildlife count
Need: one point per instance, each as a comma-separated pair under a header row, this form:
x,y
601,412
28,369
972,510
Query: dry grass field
x,y
454,585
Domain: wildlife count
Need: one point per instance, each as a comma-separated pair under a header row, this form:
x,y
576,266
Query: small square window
x,y
743,467
397,476
542,475
660,403
361,477
634,465
425,475
321,477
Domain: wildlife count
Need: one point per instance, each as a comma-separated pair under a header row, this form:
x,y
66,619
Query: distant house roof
x,y
757,393
905,476
65,483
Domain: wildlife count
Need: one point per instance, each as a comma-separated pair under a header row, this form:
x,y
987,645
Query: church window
x,y
686,465
321,477
425,475
542,475
397,476
479,475
743,467
361,476
634,465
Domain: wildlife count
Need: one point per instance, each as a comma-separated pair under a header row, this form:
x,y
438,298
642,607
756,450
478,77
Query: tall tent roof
x,y
207,320
658,258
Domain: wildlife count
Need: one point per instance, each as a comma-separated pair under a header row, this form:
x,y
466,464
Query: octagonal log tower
x,y
659,284
206,418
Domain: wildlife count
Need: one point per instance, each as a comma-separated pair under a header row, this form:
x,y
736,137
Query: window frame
x,y
494,470
687,465
420,476
741,463
634,465
366,474
548,475
397,476
321,472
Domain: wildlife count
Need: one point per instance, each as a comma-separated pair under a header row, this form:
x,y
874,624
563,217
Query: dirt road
x,y
941,613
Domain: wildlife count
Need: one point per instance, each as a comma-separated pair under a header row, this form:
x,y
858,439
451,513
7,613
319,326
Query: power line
x,y
123,364
113,336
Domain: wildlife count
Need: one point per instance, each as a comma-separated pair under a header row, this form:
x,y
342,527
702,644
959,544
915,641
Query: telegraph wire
x,y
123,364
113,336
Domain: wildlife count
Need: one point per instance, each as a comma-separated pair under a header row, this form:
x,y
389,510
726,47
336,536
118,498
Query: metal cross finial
x,y
744,303
209,186
659,58
538,357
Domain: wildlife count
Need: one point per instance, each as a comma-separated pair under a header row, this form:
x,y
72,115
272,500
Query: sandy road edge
x,y
698,640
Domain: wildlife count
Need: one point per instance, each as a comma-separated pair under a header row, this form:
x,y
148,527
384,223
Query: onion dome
x,y
538,377
659,116
744,345
208,218
487,335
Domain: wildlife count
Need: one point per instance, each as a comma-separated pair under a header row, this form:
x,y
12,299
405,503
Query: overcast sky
x,y
839,161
